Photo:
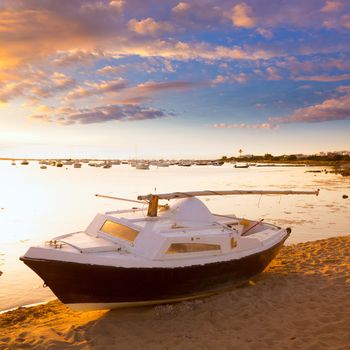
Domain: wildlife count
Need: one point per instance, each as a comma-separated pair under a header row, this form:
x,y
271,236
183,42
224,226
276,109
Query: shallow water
x,y
37,204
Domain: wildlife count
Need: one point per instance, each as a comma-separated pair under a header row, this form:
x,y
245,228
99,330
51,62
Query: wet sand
x,y
302,301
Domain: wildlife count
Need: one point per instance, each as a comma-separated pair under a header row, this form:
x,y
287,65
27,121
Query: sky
x,y
173,79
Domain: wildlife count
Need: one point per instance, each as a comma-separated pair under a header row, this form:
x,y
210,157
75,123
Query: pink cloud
x,y
148,26
117,5
332,6
12,90
34,84
111,70
262,126
181,7
70,57
324,78
328,110
240,78
102,114
272,74
344,89
345,20
152,86
266,33
93,89
242,16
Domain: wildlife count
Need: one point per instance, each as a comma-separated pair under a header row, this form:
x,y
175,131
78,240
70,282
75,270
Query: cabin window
x,y
120,231
191,247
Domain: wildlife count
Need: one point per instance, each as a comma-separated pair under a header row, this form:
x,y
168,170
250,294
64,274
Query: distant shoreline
x,y
246,160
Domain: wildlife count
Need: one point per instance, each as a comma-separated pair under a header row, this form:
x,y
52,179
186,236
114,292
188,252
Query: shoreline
x,y
300,301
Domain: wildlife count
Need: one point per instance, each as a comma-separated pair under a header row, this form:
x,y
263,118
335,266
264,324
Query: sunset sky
x,y
153,78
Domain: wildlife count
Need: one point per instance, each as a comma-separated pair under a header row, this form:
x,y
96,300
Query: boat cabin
x,y
183,231
185,228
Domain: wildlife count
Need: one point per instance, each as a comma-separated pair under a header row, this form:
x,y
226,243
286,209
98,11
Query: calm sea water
x,y
36,205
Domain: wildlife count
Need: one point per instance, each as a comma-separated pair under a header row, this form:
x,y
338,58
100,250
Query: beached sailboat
x,y
177,251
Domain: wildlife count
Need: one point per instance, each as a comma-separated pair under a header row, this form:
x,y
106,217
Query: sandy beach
x,y
302,301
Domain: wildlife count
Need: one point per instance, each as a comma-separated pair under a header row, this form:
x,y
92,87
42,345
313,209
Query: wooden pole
x,y
153,206
174,195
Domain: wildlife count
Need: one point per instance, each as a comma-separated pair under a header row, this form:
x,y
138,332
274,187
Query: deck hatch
x,y
119,231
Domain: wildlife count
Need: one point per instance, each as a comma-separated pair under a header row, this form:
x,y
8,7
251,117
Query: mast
x,y
174,195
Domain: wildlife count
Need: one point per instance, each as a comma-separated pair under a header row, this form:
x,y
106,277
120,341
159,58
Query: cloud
x,y
328,110
324,78
345,20
92,89
272,74
181,7
180,50
240,78
117,5
102,114
30,32
152,86
318,64
35,83
13,90
343,89
148,26
70,57
262,126
47,86
241,16
112,70
332,6
266,33
62,81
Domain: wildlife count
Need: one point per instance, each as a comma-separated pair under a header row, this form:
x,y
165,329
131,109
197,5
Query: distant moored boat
x,y
142,166
241,165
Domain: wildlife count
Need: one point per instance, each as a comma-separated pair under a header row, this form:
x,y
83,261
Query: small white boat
x,y
142,166
107,165
162,164
241,165
176,252
185,163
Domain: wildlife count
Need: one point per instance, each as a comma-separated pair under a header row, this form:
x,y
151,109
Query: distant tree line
x,y
334,157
